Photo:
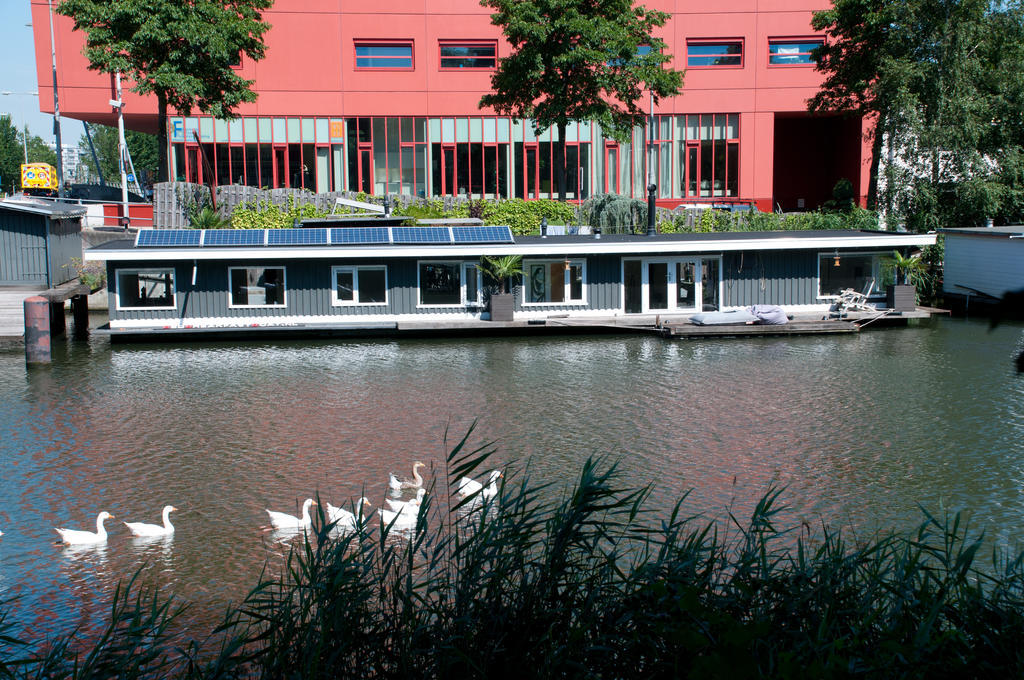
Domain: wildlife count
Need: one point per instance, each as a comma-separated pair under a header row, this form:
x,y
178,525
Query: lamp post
x,y
56,108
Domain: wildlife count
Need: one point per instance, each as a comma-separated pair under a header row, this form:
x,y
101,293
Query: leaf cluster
x,y
577,60
268,215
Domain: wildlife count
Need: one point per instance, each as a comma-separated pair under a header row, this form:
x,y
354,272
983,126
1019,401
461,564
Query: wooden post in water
x,y
37,330
80,313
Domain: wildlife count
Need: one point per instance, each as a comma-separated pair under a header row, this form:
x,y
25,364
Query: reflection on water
x,y
858,430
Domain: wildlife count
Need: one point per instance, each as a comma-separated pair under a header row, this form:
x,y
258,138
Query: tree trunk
x,y
560,161
163,169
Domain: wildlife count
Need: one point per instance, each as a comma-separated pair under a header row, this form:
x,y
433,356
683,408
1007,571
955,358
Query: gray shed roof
x,y
58,209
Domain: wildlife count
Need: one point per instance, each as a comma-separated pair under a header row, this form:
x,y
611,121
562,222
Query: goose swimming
x,y
79,537
142,529
396,484
282,520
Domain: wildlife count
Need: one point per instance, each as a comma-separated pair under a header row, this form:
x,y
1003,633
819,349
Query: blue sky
x,y
18,74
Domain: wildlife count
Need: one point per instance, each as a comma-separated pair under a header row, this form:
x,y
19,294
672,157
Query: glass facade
x,y
689,157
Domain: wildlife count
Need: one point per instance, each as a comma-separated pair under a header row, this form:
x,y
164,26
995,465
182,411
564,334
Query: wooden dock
x,y
12,305
800,327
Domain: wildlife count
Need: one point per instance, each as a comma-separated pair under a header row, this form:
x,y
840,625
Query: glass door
x,y
659,281
633,284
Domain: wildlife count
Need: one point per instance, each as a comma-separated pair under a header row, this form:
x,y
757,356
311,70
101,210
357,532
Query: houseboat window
x,y
145,289
471,275
848,270
555,281
360,286
440,283
257,286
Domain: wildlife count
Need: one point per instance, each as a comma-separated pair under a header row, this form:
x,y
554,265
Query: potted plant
x,y
901,294
502,269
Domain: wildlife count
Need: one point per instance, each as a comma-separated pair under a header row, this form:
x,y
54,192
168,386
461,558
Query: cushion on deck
x,y
715,318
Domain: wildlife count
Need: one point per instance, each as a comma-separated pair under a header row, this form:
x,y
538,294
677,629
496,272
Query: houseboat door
x,y
670,285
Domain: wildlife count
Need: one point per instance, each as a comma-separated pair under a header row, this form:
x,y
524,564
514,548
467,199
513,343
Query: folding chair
x,y
851,300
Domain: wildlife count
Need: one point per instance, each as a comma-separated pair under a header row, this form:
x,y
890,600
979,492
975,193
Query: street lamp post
x,y
56,108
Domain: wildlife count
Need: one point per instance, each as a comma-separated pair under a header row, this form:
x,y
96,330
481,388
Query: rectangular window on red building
x,y
384,55
792,52
712,53
469,54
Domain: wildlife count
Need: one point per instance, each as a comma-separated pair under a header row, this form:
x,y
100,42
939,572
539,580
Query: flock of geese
x,y
398,514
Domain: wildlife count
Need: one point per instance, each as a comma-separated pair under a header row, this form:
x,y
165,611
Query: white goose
x,y
468,487
78,537
282,520
396,484
412,505
142,529
404,520
345,519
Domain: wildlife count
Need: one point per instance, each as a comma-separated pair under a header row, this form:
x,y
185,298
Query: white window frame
x,y
355,269
566,283
876,270
672,292
470,269
284,286
146,270
459,267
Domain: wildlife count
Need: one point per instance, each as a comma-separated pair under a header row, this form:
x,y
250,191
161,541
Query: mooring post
x,y
80,313
652,209
37,330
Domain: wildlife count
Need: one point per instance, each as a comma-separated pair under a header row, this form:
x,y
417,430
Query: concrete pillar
x,y
80,313
37,330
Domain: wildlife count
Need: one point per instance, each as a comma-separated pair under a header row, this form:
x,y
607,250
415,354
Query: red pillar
x,y
37,330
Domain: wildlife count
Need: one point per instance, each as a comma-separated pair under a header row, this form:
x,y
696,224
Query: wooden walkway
x,y
12,305
690,330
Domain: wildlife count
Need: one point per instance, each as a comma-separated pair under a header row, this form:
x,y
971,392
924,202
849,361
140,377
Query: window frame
x,y
478,278
458,265
371,42
442,43
828,256
566,300
696,42
149,270
284,288
796,40
355,269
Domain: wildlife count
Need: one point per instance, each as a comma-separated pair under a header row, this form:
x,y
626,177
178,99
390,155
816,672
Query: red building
x,y
383,98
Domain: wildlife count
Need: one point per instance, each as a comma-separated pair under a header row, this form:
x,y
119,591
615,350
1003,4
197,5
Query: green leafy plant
x,y
93,274
267,215
905,269
208,218
501,269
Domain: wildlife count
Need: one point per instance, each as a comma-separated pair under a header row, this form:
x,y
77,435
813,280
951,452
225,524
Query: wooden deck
x,y
690,330
12,305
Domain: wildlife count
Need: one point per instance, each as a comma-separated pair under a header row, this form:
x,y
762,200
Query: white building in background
x,y
71,157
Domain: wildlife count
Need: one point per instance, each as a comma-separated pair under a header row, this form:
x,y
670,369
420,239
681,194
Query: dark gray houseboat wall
x,y
29,256
770,277
787,278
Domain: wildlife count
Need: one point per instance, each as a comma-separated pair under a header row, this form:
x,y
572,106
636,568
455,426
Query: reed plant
x,y
588,581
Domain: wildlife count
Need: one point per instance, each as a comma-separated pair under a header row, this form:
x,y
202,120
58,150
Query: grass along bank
x,y
583,582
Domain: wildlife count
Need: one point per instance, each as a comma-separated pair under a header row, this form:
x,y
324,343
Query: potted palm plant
x,y
501,270
901,294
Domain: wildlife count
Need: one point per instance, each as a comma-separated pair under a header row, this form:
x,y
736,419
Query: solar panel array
x,y
303,236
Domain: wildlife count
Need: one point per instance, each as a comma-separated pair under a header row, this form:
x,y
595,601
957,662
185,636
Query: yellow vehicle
x,y
39,179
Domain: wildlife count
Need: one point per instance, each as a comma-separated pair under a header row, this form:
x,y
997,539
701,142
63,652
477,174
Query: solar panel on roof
x,y
296,237
420,234
359,235
233,237
482,234
157,238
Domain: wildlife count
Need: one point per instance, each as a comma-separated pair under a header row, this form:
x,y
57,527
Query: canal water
x,y
861,432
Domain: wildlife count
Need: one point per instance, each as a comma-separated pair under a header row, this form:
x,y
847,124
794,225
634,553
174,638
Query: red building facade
x,y
385,100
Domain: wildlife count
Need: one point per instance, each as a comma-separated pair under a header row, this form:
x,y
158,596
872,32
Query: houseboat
x,y
389,279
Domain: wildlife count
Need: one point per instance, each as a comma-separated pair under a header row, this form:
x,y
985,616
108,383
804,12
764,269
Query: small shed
x,y
38,242
983,263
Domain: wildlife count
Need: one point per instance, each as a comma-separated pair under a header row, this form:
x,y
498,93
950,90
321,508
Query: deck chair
x,y
850,300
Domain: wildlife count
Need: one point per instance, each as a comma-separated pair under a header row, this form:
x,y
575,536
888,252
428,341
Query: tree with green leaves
x,y
182,51
37,150
11,154
941,79
579,60
142,147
